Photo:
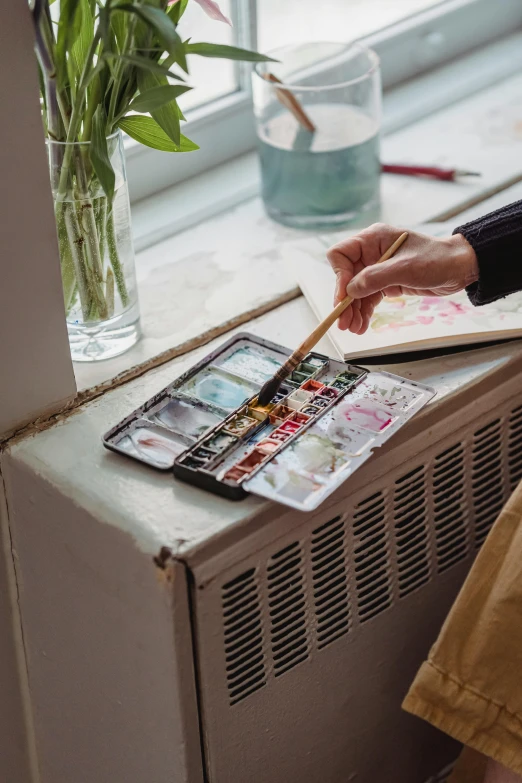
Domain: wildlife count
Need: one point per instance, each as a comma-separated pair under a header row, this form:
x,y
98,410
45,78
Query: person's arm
x,y
497,241
480,256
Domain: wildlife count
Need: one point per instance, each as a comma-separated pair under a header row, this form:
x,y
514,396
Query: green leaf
x,y
144,64
226,52
148,132
118,28
100,154
155,98
81,45
68,30
166,116
155,18
177,10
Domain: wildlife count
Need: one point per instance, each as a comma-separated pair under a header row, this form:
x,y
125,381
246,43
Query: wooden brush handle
x,y
329,321
289,100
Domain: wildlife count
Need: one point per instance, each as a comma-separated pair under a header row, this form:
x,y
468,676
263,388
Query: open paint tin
x,y
324,424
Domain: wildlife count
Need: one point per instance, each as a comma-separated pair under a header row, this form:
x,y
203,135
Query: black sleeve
x,y
497,240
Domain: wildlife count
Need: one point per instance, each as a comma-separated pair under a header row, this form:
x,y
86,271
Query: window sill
x,y
223,270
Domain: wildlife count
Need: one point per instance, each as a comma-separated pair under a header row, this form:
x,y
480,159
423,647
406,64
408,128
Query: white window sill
x,y
223,269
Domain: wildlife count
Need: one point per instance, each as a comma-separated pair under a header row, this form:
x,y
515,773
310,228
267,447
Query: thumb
x,y
370,280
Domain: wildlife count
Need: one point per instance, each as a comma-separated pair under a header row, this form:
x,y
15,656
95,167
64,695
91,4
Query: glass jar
x,y
96,252
318,131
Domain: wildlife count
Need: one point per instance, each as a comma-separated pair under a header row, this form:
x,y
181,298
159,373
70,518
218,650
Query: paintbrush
x,y
289,100
271,387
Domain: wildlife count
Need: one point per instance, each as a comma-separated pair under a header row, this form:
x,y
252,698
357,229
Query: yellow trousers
x,y
471,685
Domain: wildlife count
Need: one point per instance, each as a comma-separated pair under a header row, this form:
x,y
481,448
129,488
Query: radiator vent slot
x,y
515,447
371,557
487,484
287,608
330,583
411,531
244,649
449,507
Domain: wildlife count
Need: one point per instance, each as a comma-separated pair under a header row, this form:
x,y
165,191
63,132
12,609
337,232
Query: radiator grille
x,y
287,608
346,570
411,531
515,447
450,507
371,557
487,484
244,655
330,583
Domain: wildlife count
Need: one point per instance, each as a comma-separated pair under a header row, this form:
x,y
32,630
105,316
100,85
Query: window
x,y
410,36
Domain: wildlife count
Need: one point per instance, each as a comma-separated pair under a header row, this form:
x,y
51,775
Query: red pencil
x,y
435,172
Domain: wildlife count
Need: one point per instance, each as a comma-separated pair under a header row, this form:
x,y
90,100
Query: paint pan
x,y
299,418
152,444
240,425
218,388
221,442
328,420
289,427
280,413
298,399
320,402
252,460
268,446
310,410
235,475
366,415
312,386
185,417
252,364
328,393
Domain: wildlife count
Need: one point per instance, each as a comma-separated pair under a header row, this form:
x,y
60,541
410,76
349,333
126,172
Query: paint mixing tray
x,y
324,423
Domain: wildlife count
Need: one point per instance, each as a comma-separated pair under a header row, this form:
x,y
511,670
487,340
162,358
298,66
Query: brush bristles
x,y
269,390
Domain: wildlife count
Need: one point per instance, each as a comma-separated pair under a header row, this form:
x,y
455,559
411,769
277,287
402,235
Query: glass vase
x,y
96,252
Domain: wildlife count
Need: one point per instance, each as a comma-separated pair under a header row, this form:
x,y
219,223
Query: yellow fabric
x,y
471,685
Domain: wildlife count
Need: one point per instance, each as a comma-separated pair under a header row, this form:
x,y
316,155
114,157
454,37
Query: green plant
x,y
105,66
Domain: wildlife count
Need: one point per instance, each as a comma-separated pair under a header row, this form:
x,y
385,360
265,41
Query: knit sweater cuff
x,y
496,239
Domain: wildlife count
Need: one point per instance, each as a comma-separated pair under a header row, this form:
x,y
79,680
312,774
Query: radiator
x,y
308,629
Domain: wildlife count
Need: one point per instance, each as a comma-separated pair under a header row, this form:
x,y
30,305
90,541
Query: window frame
x,y
224,128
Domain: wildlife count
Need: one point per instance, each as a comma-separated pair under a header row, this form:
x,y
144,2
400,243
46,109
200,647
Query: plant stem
x,y
115,260
76,247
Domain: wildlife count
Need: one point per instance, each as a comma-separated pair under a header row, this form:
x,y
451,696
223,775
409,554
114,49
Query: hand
x,y
423,266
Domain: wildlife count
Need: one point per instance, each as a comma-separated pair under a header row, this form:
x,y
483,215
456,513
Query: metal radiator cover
x,y
309,633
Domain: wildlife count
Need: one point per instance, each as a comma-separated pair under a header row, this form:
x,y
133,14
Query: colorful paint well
x,y
280,413
316,362
252,460
252,364
235,475
328,393
279,435
218,388
185,417
299,418
239,425
312,386
366,415
221,442
289,426
298,399
153,444
269,446
310,410
320,402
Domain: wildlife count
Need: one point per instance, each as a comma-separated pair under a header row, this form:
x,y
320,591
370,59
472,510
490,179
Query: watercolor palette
x,y
324,423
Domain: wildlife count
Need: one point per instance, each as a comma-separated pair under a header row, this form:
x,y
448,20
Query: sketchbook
x,y
405,323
